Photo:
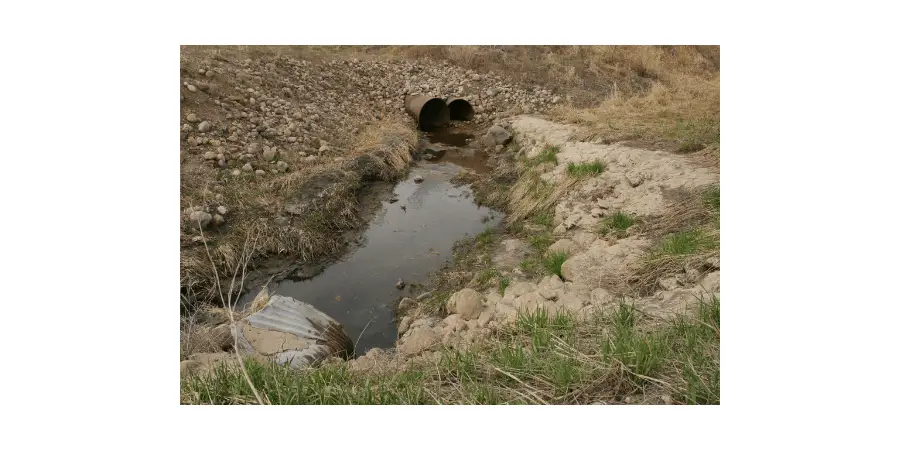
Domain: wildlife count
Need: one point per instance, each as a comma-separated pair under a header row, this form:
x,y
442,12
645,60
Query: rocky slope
x,y
635,181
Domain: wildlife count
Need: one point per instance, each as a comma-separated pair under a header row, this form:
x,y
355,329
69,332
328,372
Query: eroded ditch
x,y
411,236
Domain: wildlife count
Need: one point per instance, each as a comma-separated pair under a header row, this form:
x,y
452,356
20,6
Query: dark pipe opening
x,y
434,114
460,109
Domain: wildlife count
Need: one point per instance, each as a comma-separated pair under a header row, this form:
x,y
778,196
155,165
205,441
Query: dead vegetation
x,y
665,95
316,202
685,237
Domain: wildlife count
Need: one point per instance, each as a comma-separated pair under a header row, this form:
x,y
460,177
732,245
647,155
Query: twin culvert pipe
x,y
432,113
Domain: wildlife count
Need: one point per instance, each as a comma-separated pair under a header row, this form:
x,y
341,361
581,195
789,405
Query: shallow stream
x,y
411,235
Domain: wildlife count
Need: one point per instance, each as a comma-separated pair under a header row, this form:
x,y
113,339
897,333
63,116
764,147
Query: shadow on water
x,y
409,238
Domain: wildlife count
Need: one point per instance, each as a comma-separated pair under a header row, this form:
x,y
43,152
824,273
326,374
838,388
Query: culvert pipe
x,y
429,112
460,109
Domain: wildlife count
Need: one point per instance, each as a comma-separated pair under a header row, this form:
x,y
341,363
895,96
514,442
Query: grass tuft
x,y
547,155
589,169
617,223
553,262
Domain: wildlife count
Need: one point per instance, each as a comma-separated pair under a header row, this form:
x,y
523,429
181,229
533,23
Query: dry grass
x,y
326,193
686,235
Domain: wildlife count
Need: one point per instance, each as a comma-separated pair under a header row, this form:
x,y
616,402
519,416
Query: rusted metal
x,y
460,109
429,112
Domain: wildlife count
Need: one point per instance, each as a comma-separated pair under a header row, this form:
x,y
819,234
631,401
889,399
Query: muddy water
x,y
409,238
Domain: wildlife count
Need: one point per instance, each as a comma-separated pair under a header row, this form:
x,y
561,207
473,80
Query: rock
x,y
204,126
236,172
468,303
218,219
666,399
200,217
600,297
498,135
486,316
260,172
572,301
292,333
404,325
418,178
253,148
192,118
517,289
221,337
555,282
583,239
532,301
222,210
560,229
405,303
417,341
669,283
712,262
710,283
269,154
281,166
692,275
210,156
192,88
511,252
400,284
562,246
634,179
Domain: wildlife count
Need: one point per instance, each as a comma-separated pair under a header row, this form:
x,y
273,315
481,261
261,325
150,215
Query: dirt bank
x,y
276,150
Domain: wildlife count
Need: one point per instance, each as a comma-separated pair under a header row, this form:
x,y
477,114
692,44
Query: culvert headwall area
x,y
432,113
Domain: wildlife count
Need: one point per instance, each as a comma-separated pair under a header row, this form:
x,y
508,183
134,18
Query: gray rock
x,y
634,179
221,209
192,88
405,303
498,136
201,218
712,262
209,156
253,148
236,172
204,126
468,303
218,219
260,172
404,325
192,118
400,284
418,179
247,168
269,154
282,166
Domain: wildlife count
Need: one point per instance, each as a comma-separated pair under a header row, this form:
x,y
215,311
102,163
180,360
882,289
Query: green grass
x,y
553,262
543,218
546,155
485,238
685,243
540,358
617,223
588,169
504,283
711,199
